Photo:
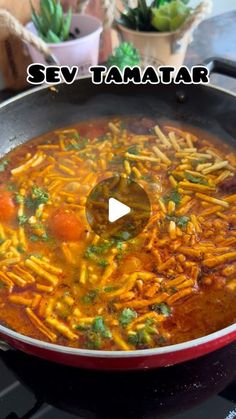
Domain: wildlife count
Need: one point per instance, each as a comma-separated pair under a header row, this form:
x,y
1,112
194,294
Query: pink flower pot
x,y
82,51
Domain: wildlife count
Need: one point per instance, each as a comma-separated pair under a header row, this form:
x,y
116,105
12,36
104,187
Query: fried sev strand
x,y
6,281
161,155
61,328
180,294
20,282
173,141
19,299
120,342
142,303
44,288
50,268
215,167
229,270
231,285
33,162
40,325
212,200
41,272
150,315
24,274
195,186
188,251
218,260
141,158
162,136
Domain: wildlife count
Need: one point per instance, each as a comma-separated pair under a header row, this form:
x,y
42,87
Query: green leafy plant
x,y
170,16
159,15
124,55
51,23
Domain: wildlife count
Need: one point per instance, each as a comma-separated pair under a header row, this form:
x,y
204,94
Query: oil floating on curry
x,y
175,281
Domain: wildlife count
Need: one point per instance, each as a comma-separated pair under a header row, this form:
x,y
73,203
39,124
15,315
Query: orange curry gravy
x,y
175,281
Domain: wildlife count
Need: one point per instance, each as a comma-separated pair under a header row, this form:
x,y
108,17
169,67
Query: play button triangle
x,y
116,210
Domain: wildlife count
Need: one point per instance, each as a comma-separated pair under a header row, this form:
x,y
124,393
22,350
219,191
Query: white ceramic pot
x,y
82,51
157,48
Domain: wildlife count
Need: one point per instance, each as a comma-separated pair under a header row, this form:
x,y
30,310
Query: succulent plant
x,y
170,16
51,23
159,15
124,55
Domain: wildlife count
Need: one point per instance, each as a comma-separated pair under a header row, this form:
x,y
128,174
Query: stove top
x,y
32,388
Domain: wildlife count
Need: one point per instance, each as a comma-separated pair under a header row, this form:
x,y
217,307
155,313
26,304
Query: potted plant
x,y
73,39
161,29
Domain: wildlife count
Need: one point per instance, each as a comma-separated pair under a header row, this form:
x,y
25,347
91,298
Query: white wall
x,y
219,6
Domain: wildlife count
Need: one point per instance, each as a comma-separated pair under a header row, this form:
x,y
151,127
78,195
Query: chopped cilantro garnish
x,y
93,250
19,199
77,144
38,196
98,326
143,336
3,165
133,149
81,327
180,221
103,263
173,196
11,187
22,219
195,179
36,255
162,308
126,316
35,238
110,288
90,297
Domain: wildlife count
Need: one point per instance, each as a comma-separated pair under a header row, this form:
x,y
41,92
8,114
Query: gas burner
x,y
50,390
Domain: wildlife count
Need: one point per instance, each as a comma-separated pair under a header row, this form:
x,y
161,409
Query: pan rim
x,y
91,353
46,86
136,353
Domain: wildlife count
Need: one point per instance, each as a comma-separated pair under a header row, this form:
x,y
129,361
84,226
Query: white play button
x,y
116,210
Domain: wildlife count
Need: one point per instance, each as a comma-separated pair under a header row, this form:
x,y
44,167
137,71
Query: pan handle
x,y
221,66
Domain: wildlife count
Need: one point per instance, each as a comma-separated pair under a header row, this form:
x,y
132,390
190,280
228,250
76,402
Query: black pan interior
x,y
44,110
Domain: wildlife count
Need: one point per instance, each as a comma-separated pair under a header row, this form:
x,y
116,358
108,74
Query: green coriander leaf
x,y
81,327
19,199
22,219
126,316
195,179
162,308
110,288
99,327
3,165
133,149
180,221
91,296
103,263
173,196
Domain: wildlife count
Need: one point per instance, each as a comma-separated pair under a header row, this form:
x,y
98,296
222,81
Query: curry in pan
x,y
175,281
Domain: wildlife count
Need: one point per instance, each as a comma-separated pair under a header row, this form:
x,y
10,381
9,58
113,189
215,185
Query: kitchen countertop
x,y
215,37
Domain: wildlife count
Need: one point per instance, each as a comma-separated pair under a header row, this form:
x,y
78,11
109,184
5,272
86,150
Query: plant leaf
x,y
66,25
52,38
